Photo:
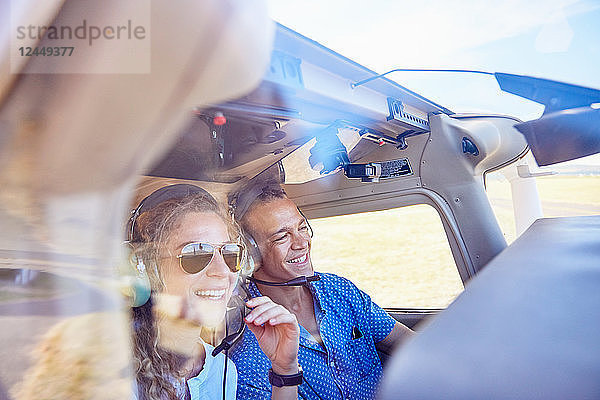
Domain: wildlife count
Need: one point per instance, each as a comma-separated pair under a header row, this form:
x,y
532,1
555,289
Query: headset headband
x,y
171,192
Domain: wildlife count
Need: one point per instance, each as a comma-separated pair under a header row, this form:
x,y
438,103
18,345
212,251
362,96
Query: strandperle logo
x,y
84,31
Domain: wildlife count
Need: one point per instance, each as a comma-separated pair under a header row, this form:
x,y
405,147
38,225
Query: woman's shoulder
x,y
208,384
215,365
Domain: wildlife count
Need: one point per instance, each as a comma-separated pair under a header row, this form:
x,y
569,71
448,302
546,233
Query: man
x,y
341,328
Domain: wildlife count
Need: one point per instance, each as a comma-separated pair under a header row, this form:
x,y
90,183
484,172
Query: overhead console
x,y
227,142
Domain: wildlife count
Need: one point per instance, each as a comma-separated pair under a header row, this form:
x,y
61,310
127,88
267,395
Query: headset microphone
x,y
299,281
230,340
226,343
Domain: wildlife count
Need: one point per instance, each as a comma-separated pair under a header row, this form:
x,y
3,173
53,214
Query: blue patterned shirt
x,y
348,366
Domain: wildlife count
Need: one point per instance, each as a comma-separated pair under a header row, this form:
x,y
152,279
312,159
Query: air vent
x,y
399,115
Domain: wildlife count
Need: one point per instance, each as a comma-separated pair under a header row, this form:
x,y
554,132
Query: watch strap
x,y
285,380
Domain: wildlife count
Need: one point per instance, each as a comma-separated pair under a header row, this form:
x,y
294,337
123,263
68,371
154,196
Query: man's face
x,y
282,234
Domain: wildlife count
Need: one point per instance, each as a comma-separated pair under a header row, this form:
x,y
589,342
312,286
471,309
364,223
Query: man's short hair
x,y
254,193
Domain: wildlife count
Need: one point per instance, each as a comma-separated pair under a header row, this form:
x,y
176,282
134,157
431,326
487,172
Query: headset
x,y
135,283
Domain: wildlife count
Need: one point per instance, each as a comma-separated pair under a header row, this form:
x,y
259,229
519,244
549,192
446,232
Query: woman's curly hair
x,y
158,371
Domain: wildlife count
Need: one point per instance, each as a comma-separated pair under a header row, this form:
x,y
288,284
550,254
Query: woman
x,y
193,256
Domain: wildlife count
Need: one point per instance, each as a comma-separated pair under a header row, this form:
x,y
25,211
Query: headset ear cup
x,y
134,281
250,266
247,263
254,251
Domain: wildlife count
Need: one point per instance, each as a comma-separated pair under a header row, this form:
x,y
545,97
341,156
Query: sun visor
x,y
568,129
563,135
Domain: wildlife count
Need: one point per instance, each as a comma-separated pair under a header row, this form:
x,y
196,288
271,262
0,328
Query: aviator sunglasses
x,y
195,257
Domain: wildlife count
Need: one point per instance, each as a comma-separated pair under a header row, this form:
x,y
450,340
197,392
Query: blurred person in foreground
x,y
341,329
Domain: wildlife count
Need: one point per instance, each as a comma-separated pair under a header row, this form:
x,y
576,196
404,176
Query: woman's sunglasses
x,y
195,257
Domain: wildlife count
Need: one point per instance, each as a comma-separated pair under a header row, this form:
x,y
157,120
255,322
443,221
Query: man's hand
x,y
277,332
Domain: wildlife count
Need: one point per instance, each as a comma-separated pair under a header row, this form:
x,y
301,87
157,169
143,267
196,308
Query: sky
x,y
552,39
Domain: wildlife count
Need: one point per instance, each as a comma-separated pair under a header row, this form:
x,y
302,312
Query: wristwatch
x,y
285,380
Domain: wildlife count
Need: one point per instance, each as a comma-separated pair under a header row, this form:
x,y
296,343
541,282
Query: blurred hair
x,y
80,357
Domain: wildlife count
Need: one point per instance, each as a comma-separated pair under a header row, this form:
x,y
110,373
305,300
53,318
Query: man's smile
x,y
298,260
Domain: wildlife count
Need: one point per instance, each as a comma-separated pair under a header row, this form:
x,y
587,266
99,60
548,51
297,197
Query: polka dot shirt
x,y
346,368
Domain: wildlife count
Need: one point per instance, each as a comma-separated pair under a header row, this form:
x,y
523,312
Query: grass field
x,y
401,257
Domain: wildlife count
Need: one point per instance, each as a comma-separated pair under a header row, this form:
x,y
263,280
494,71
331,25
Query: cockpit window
x,y
403,260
